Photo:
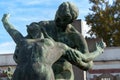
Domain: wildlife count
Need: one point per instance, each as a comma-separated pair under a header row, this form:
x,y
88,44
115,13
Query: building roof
x,y
6,60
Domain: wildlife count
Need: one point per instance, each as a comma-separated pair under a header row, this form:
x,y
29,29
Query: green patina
x,y
51,47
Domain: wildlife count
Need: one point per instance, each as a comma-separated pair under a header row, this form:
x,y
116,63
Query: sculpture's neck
x,y
62,28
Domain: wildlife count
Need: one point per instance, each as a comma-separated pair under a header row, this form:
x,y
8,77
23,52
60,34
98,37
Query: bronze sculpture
x,y
36,56
37,34
61,30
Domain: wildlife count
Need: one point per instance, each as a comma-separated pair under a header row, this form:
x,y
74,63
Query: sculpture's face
x,y
34,31
66,13
63,20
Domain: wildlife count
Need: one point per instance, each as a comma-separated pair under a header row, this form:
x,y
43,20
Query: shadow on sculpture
x,y
50,47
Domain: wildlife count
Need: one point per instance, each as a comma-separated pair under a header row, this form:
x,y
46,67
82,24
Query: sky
x,y
23,12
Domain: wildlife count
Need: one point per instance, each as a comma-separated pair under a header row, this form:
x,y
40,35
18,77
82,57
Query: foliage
x,y
104,20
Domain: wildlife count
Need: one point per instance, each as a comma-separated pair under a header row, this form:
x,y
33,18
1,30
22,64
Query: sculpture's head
x,y
66,13
34,30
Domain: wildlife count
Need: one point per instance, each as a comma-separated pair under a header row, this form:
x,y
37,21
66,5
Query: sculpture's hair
x,y
68,8
33,26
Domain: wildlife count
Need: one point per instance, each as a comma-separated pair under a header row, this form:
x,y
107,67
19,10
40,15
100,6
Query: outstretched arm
x,y
16,35
83,61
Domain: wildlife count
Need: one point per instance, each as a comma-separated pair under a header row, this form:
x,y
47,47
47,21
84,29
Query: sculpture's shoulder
x,y
48,23
49,27
71,29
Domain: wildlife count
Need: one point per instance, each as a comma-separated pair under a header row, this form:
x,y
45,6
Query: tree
x,y
104,20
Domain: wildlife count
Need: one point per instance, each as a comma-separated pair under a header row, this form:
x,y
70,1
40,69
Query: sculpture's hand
x,y
15,34
5,17
80,60
102,44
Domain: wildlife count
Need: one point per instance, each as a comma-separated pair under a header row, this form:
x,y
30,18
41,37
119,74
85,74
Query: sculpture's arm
x,y
78,39
45,33
83,61
75,58
16,35
99,50
81,43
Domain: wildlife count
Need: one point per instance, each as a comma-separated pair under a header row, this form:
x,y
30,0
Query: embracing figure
x,y
35,57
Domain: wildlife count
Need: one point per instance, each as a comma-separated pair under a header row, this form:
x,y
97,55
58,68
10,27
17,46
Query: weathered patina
x,y
51,47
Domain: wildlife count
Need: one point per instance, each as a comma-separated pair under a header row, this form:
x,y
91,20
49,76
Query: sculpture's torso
x,y
62,68
36,61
